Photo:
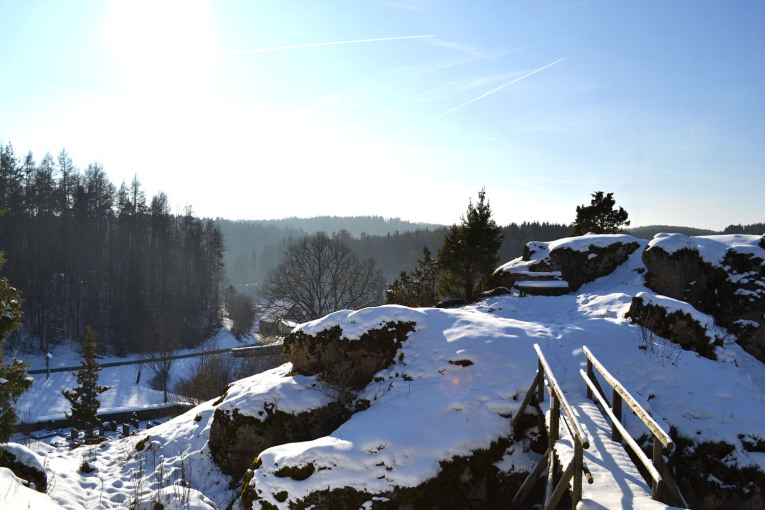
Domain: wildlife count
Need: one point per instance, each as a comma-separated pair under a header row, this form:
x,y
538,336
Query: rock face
x,y
732,291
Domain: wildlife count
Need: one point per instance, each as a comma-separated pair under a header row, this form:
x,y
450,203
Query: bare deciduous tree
x,y
320,275
160,340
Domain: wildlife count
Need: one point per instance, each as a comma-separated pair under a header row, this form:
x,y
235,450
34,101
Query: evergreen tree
x,y
83,398
600,217
13,378
468,255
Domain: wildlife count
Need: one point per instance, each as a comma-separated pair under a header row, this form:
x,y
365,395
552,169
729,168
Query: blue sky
x,y
244,109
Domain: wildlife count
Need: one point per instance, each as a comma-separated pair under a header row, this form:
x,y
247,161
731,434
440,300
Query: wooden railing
x,y
576,468
663,487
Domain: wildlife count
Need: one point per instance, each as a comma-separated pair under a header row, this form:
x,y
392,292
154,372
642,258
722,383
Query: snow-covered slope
x,y
459,377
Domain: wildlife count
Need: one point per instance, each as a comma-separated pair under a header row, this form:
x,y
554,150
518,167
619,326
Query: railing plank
x,y
576,427
652,471
654,427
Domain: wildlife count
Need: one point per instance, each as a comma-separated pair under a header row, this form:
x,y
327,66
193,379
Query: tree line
x,y
87,253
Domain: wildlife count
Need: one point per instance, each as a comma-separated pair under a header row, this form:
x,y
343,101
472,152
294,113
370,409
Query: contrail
x,y
314,45
447,112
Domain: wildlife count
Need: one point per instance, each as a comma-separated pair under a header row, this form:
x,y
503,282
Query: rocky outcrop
x,y
732,290
707,481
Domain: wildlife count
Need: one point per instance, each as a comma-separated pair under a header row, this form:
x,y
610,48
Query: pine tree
x,y
83,398
600,217
13,378
468,255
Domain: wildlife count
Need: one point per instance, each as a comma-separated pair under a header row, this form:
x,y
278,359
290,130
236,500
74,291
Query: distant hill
x,y
651,230
354,225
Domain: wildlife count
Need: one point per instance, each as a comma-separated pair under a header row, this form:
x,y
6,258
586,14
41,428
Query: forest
x,y
87,253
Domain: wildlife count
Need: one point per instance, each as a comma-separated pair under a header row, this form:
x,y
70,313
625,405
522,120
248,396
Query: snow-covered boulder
x,y
273,407
25,464
345,362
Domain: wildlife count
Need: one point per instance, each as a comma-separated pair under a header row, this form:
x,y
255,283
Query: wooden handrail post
x,y
554,418
617,410
541,386
591,375
658,463
553,435
578,468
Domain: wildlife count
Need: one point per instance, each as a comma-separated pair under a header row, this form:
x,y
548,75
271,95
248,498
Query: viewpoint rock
x,y
577,260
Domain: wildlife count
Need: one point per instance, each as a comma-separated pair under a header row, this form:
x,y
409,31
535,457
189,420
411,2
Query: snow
x,y
289,394
13,494
425,408
583,243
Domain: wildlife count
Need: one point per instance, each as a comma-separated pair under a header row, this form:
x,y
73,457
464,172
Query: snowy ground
x,y
44,401
425,408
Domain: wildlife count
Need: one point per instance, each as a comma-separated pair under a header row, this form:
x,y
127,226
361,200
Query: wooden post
x,y
617,410
554,418
591,375
541,385
658,463
578,468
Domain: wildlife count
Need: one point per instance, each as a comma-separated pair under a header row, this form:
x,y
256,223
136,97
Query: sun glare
x,y
160,45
